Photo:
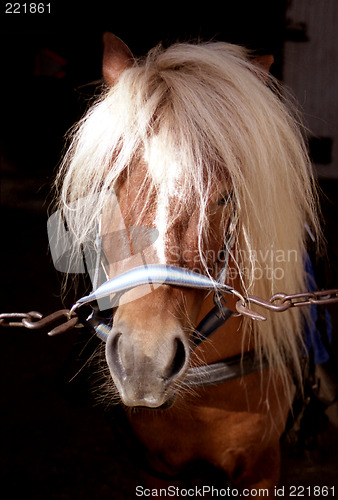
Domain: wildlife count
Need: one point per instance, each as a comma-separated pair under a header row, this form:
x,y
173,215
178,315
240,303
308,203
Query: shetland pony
x,y
197,141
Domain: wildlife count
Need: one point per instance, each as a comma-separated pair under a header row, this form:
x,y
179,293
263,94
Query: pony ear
x,y
264,62
117,57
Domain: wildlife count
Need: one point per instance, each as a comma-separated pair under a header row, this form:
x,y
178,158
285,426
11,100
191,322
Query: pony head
x,y
196,141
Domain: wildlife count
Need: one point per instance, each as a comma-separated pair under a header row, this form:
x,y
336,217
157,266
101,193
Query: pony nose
x,y
145,373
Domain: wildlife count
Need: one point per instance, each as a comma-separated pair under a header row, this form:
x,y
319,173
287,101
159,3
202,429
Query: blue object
x,y
312,336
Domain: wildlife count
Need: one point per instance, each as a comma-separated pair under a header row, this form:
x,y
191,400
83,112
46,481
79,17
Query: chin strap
x,y
224,371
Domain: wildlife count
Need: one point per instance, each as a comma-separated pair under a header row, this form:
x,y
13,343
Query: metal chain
x,y
282,302
64,320
58,322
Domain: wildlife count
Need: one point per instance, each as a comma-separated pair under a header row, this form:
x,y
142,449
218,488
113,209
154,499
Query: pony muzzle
x,y
146,373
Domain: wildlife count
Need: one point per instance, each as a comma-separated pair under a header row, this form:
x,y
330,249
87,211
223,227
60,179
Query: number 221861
x,y
27,8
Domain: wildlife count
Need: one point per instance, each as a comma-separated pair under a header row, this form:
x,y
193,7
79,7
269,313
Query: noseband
x,y
155,274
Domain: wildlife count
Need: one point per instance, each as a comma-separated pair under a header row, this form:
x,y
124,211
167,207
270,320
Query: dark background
x,y
57,443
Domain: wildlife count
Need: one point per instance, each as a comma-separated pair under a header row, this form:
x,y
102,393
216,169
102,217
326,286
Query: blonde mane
x,y
194,114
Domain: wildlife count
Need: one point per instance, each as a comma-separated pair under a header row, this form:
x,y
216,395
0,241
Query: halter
x,y
159,274
176,276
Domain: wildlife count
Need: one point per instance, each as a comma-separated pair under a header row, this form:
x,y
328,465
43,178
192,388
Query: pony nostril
x,y
178,360
113,354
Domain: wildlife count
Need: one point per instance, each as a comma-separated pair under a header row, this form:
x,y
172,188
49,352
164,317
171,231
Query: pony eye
x,y
225,200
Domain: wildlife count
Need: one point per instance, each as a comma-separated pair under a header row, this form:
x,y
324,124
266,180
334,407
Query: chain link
x,y
16,319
